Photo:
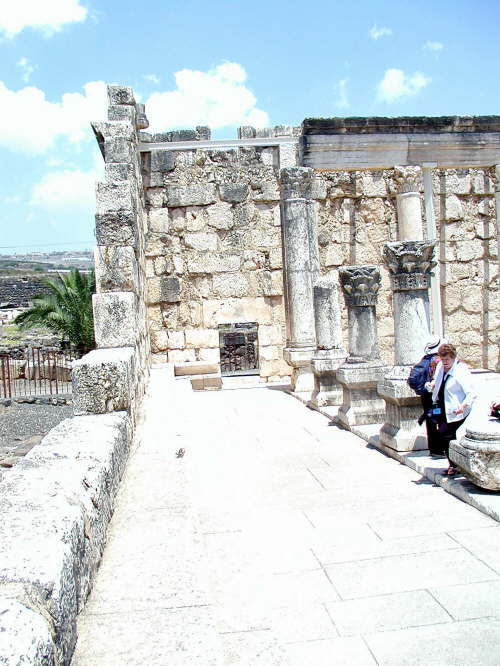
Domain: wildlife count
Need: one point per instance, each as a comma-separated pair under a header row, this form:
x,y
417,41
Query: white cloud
x,y
152,77
31,124
396,84
217,98
27,69
433,46
342,101
68,188
377,33
47,16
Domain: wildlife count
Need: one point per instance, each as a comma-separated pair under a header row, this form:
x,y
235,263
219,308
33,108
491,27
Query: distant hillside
x,y
37,263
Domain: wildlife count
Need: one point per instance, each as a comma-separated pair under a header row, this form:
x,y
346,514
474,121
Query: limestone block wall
x,y
357,214
468,252
114,376
213,252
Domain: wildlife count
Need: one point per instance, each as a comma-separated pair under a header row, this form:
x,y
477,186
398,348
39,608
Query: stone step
x,y
203,382
196,368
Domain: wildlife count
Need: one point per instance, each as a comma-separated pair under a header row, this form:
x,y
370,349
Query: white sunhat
x,y
433,344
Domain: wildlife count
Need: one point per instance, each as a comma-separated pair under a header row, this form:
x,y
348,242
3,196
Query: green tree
x,y
65,309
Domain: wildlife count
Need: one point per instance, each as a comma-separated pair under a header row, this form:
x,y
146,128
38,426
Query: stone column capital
x,y
360,284
410,264
296,182
408,179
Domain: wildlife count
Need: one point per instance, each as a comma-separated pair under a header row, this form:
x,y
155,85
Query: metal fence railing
x,y
39,372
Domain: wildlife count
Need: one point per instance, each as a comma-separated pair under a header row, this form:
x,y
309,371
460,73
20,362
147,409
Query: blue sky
x,y
219,63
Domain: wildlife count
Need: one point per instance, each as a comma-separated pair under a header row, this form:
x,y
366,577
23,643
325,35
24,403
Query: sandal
x,y
451,471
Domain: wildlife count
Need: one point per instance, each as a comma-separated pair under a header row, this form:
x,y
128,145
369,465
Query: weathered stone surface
x,y
270,335
202,337
190,195
270,283
476,451
103,381
197,368
119,228
230,285
115,319
211,262
56,506
114,197
236,310
159,220
200,241
162,160
233,192
120,95
220,215
164,289
25,636
116,268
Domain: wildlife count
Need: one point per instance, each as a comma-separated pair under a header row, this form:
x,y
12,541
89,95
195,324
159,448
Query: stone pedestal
x,y
360,373
476,451
300,272
329,354
409,264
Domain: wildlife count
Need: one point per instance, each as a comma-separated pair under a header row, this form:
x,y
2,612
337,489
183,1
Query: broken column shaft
x,y
300,272
329,354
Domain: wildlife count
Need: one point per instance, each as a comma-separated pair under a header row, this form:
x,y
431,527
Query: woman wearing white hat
x,y
420,376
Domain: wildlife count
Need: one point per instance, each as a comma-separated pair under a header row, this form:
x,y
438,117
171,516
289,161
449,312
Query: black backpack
x,y
419,375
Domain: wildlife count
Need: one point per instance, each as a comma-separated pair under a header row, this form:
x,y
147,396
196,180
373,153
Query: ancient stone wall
x,y
214,252
357,215
114,376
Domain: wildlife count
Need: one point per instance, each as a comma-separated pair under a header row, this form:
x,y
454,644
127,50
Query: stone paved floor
x,y
278,539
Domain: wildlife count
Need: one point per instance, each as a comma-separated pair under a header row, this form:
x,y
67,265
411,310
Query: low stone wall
x,y
55,507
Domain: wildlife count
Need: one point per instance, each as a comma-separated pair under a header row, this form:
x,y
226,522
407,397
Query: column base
x,y
327,389
361,404
302,378
401,431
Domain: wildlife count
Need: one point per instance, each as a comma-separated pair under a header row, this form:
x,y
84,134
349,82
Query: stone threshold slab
x,y
488,502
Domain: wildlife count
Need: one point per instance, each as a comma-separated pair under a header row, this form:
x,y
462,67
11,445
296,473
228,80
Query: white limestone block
x,y
25,636
190,195
200,241
230,284
115,268
55,507
103,381
201,337
212,262
159,220
115,319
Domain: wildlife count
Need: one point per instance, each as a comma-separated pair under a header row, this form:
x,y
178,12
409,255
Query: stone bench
x,y
196,368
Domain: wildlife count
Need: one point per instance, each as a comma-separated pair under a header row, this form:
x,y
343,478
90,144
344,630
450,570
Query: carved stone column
x,y
300,272
330,353
363,367
410,264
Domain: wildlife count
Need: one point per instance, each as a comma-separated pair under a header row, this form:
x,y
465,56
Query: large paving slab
x,y
280,539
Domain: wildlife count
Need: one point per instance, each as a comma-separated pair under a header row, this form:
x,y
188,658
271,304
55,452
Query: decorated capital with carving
x,y
408,179
360,284
410,264
297,182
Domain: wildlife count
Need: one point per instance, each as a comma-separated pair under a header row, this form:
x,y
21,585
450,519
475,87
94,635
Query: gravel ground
x,y
23,425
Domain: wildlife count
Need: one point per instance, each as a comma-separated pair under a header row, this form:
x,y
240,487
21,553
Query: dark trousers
x,y
447,432
434,442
